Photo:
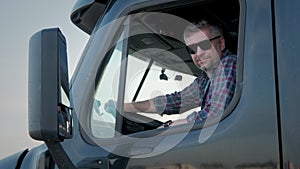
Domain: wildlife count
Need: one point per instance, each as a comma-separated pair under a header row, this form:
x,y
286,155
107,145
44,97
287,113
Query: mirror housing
x,y
48,87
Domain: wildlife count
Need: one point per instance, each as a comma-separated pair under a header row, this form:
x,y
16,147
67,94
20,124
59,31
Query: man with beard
x,y
212,90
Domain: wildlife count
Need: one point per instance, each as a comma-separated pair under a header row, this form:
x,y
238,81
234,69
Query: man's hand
x,y
174,123
178,122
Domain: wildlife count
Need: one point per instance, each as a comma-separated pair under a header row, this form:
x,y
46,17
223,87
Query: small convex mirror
x,y
64,117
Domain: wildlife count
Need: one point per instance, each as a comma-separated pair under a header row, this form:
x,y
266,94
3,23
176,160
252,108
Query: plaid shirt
x,y
212,94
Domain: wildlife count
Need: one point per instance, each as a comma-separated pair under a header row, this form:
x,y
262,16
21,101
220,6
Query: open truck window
x,y
149,59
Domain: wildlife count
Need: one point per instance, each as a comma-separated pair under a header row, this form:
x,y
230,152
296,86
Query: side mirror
x,y
48,88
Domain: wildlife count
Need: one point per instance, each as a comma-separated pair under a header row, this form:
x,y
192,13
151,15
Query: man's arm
x,y
146,106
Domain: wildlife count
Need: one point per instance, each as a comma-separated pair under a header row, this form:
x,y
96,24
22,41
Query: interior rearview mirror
x,y
48,88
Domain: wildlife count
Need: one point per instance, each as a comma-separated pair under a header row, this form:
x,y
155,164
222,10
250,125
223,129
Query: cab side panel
x,y
287,24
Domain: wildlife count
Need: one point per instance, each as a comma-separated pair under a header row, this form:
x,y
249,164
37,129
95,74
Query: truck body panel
x,y
14,160
286,23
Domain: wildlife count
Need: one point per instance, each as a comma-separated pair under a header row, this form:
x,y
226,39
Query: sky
x,y
19,21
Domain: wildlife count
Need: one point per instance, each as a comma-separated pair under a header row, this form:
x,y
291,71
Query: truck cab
x,y
136,51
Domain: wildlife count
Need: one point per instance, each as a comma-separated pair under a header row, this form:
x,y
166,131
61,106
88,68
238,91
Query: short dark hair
x,y
203,24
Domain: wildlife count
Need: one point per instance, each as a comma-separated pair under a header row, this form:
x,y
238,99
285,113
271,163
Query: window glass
x,y
103,122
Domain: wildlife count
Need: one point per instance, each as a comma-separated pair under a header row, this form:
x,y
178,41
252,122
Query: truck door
x,y
146,57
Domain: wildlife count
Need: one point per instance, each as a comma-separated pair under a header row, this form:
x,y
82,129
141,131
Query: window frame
x,y
180,128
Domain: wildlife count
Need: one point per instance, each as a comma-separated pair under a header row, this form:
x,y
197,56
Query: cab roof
x,y
85,13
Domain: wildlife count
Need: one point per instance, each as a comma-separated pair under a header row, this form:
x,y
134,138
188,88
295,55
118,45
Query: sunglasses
x,y
204,45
